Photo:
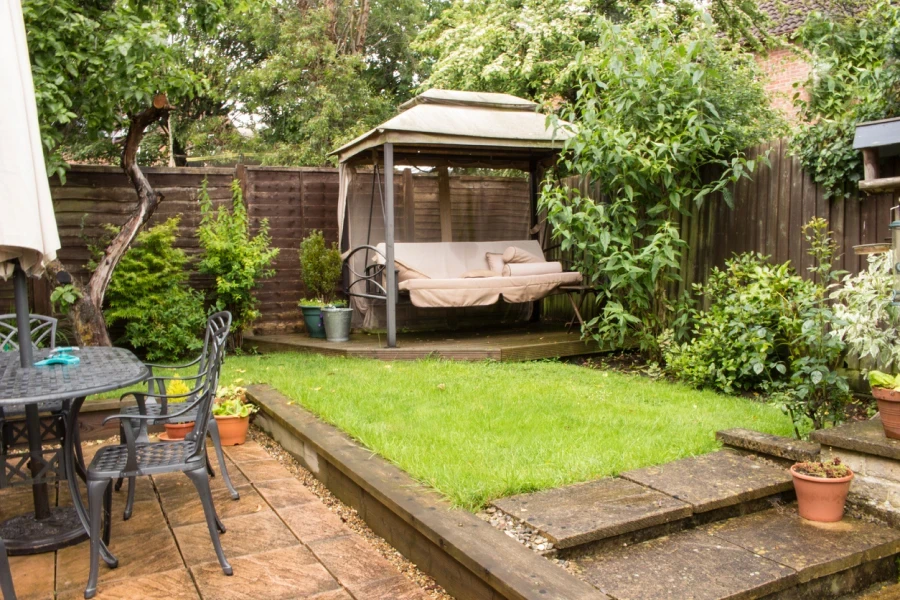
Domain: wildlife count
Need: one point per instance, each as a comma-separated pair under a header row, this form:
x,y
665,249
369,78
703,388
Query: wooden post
x,y
870,163
391,308
444,204
409,205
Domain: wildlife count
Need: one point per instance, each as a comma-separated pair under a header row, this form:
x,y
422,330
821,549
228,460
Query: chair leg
x,y
119,482
6,582
121,441
220,455
129,501
201,481
96,490
107,513
220,526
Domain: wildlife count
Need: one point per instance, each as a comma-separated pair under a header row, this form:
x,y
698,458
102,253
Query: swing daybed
x,y
437,131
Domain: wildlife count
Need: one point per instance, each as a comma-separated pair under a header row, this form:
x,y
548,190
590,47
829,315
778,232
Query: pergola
x,y
446,129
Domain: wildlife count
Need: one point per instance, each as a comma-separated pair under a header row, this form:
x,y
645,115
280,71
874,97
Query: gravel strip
x,y
525,534
350,517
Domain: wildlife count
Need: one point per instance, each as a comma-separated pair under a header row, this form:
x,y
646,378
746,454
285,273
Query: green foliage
x,y
738,344
768,330
855,77
660,100
163,316
235,259
231,401
320,266
94,63
830,469
877,379
867,322
64,297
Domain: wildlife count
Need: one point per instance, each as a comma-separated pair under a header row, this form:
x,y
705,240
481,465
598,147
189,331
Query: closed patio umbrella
x,y
28,234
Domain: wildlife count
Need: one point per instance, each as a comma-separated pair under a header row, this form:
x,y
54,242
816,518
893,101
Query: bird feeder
x,y
877,140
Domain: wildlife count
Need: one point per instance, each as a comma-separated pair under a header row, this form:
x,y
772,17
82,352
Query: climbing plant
x,y
659,99
855,77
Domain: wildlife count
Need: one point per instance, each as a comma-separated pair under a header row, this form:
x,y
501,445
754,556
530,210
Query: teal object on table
x,y
60,356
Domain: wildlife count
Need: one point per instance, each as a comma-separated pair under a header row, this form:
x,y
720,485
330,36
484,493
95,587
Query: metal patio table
x,y
104,369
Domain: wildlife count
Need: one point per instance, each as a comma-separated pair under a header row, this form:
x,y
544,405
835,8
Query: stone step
x,y
768,554
653,501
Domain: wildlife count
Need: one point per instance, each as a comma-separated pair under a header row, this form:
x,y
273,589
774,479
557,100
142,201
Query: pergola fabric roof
x,y
445,119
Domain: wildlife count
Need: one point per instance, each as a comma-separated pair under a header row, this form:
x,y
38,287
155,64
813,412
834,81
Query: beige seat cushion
x,y
455,292
480,273
514,254
446,260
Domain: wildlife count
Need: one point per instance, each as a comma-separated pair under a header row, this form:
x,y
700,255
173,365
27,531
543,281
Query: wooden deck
x,y
509,344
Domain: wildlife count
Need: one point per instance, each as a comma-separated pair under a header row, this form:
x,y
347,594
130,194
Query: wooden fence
x,y
769,212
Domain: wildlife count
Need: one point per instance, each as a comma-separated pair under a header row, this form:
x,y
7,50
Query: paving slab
x,y
690,565
866,437
814,550
772,445
578,514
715,480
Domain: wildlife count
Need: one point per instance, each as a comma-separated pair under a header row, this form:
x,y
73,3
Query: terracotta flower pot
x,y
177,431
233,430
821,499
889,407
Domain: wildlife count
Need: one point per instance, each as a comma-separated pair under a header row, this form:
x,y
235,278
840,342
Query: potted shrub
x,y
232,413
886,389
336,318
321,268
175,430
822,489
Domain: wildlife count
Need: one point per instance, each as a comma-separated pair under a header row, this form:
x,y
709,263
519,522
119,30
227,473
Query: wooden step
x,y
650,502
768,554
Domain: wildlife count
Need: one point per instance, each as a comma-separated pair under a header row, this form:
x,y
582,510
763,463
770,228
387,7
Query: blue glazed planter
x,y
312,318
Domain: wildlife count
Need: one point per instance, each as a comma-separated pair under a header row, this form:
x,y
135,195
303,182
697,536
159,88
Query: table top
x,y
101,369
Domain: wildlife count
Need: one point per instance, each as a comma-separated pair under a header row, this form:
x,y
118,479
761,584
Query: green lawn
x,y
479,431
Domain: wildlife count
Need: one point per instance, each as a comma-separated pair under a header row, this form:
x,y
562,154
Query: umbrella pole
x,y
39,491
20,283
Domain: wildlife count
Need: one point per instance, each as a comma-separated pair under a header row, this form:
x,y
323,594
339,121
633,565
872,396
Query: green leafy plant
x,y
855,77
63,297
660,100
769,330
321,267
886,381
148,293
868,323
237,260
231,401
829,469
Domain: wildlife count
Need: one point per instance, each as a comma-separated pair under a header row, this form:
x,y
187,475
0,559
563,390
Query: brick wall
x,y
783,68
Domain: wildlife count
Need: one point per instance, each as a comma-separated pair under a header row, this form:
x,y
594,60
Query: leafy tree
x,y
855,77
163,316
659,100
236,259
321,268
101,67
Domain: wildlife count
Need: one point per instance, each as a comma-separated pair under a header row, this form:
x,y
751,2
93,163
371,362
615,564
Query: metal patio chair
x,y
135,459
218,326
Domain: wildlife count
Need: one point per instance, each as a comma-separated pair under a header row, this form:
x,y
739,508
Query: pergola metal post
x,y
391,307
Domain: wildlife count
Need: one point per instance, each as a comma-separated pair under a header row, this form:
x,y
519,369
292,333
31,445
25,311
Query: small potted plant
x,y
321,268
232,413
822,489
886,389
177,430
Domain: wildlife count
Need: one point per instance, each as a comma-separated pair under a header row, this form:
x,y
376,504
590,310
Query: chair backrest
x,y
207,395
218,327
43,332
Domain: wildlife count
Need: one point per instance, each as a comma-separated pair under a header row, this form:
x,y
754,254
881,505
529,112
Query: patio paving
x,y
283,542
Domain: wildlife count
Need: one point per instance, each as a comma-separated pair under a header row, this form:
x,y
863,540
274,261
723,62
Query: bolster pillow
x,y
525,269
517,255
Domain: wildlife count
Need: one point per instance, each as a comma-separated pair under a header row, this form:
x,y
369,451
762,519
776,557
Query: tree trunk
x,y
87,313
362,27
